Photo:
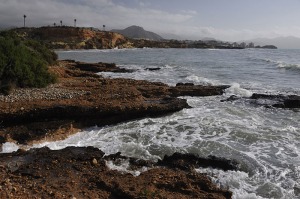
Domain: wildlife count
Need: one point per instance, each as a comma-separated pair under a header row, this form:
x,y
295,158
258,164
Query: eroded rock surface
x,y
81,172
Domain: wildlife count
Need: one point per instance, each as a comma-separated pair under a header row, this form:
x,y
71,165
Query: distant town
x,y
228,45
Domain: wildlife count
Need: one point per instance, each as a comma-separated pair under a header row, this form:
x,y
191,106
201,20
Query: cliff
x,y
75,38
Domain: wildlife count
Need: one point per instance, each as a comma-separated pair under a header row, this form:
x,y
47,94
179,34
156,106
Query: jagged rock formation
x,y
81,172
136,32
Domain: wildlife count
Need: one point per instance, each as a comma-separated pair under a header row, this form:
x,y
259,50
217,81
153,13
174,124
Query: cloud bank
x,y
118,14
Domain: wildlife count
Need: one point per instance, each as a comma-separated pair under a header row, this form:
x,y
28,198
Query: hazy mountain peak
x,y
137,32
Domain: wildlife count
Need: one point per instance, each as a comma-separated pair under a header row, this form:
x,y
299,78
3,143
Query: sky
x,y
227,20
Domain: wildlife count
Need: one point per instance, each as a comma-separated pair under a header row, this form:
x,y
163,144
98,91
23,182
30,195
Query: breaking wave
x,y
282,64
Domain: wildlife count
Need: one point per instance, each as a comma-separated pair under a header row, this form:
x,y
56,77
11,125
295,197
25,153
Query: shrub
x,y
23,63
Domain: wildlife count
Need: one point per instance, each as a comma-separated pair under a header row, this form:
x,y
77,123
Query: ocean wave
x,y
170,66
282,64
201,80
235,89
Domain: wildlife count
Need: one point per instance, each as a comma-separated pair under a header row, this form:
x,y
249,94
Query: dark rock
x,y
278,101
196,90
191,161
292,103
153,69
231,98
184,84
2,139
100,67
84,116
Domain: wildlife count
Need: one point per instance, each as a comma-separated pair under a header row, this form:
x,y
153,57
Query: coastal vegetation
x,y
23,63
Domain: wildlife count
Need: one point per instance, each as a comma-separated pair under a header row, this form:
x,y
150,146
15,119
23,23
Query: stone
x,y
94,161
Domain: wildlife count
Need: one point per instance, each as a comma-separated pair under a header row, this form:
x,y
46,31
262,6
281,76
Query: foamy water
x,y
265,141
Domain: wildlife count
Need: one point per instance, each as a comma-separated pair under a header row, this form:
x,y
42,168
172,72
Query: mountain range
x,y
137,32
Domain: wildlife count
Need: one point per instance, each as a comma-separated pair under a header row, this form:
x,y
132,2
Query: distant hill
x,y
281,42
136,32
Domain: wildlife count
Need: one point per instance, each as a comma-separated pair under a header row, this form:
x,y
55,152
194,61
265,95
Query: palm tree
x,y
75,22
60,22
103,27
24,20
54,24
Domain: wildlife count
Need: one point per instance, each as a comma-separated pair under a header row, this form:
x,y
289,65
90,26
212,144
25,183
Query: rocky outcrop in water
x,y
81,172
278,101
268,101
97,67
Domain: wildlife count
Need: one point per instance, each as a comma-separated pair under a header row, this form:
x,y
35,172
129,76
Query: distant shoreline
x,y
65,37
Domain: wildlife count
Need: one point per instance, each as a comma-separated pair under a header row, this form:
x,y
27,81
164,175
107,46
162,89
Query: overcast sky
x,y
230,20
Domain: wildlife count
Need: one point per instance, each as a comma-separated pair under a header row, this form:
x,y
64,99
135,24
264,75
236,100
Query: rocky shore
x,y
82,99
76,172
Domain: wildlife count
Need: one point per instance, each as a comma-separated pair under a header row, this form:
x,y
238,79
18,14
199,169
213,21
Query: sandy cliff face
x,y
76,38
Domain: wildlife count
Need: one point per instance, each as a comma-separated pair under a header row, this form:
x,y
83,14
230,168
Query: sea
x,y
265,141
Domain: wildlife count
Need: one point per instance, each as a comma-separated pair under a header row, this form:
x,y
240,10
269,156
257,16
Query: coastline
x,y
82,99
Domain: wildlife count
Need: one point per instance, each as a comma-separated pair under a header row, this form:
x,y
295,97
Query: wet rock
x,y
278,101
152,69
184,84
99,67
191,161
2,139
297,190
196,90
231,98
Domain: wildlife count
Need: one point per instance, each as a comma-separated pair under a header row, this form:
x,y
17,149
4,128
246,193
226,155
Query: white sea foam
x,y
248,187
201,80
235,89
9,147
291,66
124,166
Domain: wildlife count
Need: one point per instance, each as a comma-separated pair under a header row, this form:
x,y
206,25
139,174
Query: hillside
x,y
24,63
75,38
136,32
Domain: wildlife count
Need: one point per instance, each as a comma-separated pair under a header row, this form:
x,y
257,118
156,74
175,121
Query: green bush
x,y
23,63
